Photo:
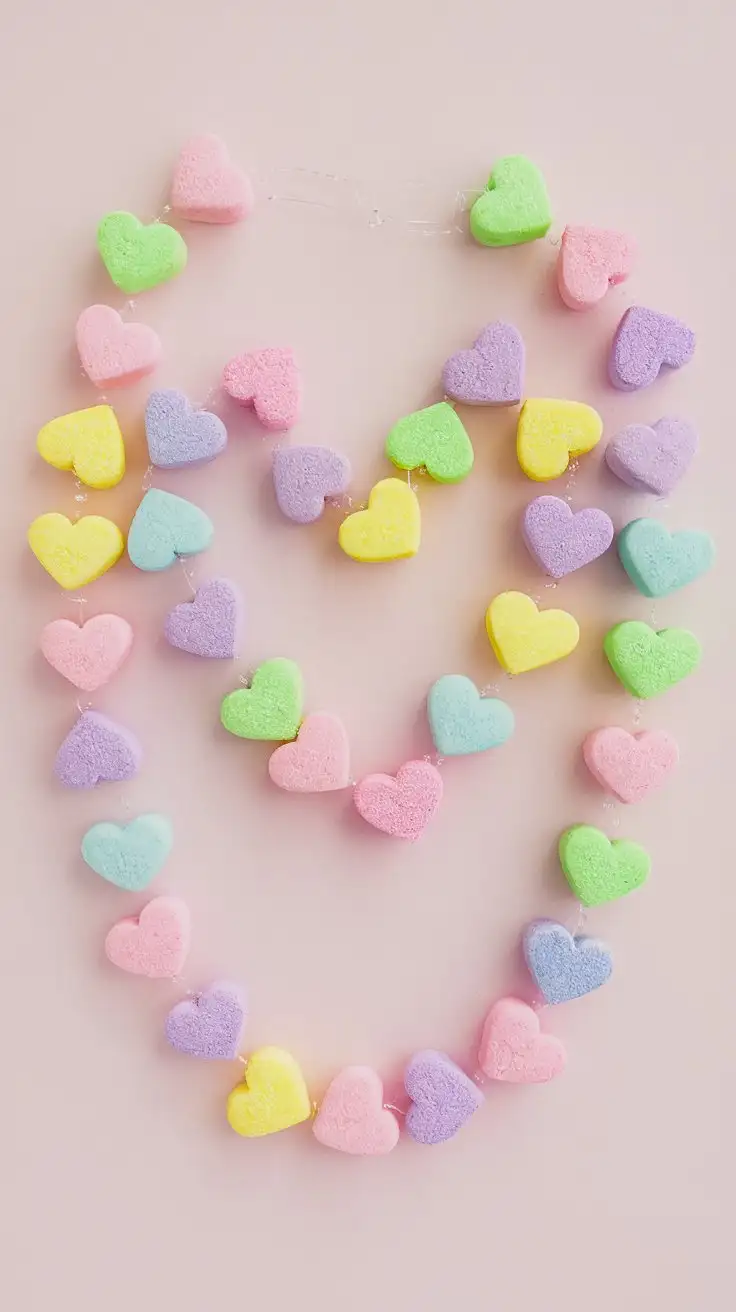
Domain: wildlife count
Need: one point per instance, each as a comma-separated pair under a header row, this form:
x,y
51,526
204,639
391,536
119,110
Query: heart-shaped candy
x,y
391,527
652,459
461,721
304,476
443,1097
210,624
156,943
129,856
178,435
591,260
512,1047
492,372
207,187
319,760
630,765
564,967
657,561
514,207
404,806
138,256
648,663
272,1097
523,637
114,353
549,432
434,439
75,554
271,708
209,1025
563,541
96,750
88,442
599,870
88,654
165,527
269,381
352,1118
643,343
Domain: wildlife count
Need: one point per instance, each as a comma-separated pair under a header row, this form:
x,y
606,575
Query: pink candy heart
x,y
401,807
630,765
89,655
318,761
513,1049
114,353
590,261
269,381
156,943
207,187
352,1117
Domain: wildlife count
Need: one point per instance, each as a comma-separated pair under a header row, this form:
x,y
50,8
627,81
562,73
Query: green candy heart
x,y
598,870
514,207
646,662
139,256
434,438
271,708
129,855
657,561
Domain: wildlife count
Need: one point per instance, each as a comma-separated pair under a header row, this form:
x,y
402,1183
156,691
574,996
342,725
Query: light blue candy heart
x,y
129,855
461,721
164,527
564,967
657,561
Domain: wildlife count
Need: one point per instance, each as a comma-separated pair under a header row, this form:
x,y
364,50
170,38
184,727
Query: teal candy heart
x,y
129,855
657,561
164,527
461,721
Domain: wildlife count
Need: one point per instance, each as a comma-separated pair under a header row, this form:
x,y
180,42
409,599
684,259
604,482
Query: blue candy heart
x,y
129,855
461,721
164,527
657,561
564,967
178,435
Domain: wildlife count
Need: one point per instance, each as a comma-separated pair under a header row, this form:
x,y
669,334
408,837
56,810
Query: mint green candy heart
x,y
129,855
461,721
514,207
434,438
271,708
657,561
165,527
646,662
598,870
137,255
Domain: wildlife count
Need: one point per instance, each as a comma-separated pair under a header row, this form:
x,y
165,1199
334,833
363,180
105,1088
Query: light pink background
x,y
123,1184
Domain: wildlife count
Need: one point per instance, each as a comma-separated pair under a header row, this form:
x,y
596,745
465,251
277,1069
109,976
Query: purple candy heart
x,y
643,342
653,459
303,476
443,1097
492,373
562,541
178,435
97,750
209,625
209,1025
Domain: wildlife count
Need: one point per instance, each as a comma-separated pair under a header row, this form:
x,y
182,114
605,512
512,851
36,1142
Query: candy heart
x,y
550,432
156,943
461,721
653,459
139,256
207,187
591,260
523,638
404,806
564,967
644,341
352,1118
630,765
657,561
492,373
598,870
271,708
319,760
209,1025
210,624
178,435
433,439
563,541
646,662
513,1049
303,476
114,353
391,527
97,750
89,654
443,1097
129,856
87,441
75,554
514,207
272,1097
269,381
164,527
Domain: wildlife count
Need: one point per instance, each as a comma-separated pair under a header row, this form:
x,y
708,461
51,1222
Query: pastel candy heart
x,y
643,343
590,261
352,1118
599,870
131,855
138,256
404,806
207,187
210,624
648,663
657,561
653,459
513,1049
75,554
523,637
304,476
165,527
272,1097
271,708
178,435
88,654
630,765
514,207
563,967
319,760
492,372
97,750
87,441
114,353
391,527
434,439
562,540
443,1097
549,432
269,381
156,943
461,721
209,1025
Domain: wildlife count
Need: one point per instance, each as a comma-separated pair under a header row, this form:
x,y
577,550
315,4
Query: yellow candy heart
x,y
75,554
549,432
272,1097
523,637
87,441
389,529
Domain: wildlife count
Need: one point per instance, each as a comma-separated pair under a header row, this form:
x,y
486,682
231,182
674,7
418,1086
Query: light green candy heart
x,y
137,255
461,721
434,438
271,708
657,561
646,662
598,870
514,207
129,855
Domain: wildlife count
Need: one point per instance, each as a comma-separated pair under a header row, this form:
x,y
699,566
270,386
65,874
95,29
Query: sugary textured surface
x,y
210,624
599,870
352,1118
271,708
644,341
75,554
303,476
491,372
207,187
138,256
652,459
564,967
272,1097
443,1097
648,663
514,207
404,806
156,943
131,855
657,561
87,441
318,761
462,722
590,261
390,528
630,765
523,637
88,654
549,432
178,435
209,1025
96,750
433,439
164,527
269,381
513,1048
563,541
114,353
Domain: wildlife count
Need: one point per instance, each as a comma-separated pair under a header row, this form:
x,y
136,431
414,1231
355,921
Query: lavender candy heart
x,y
492,373
562,541
443,1097
210,624
303,476
644,341
209,1025
652,459
561,966
178,435
97,750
